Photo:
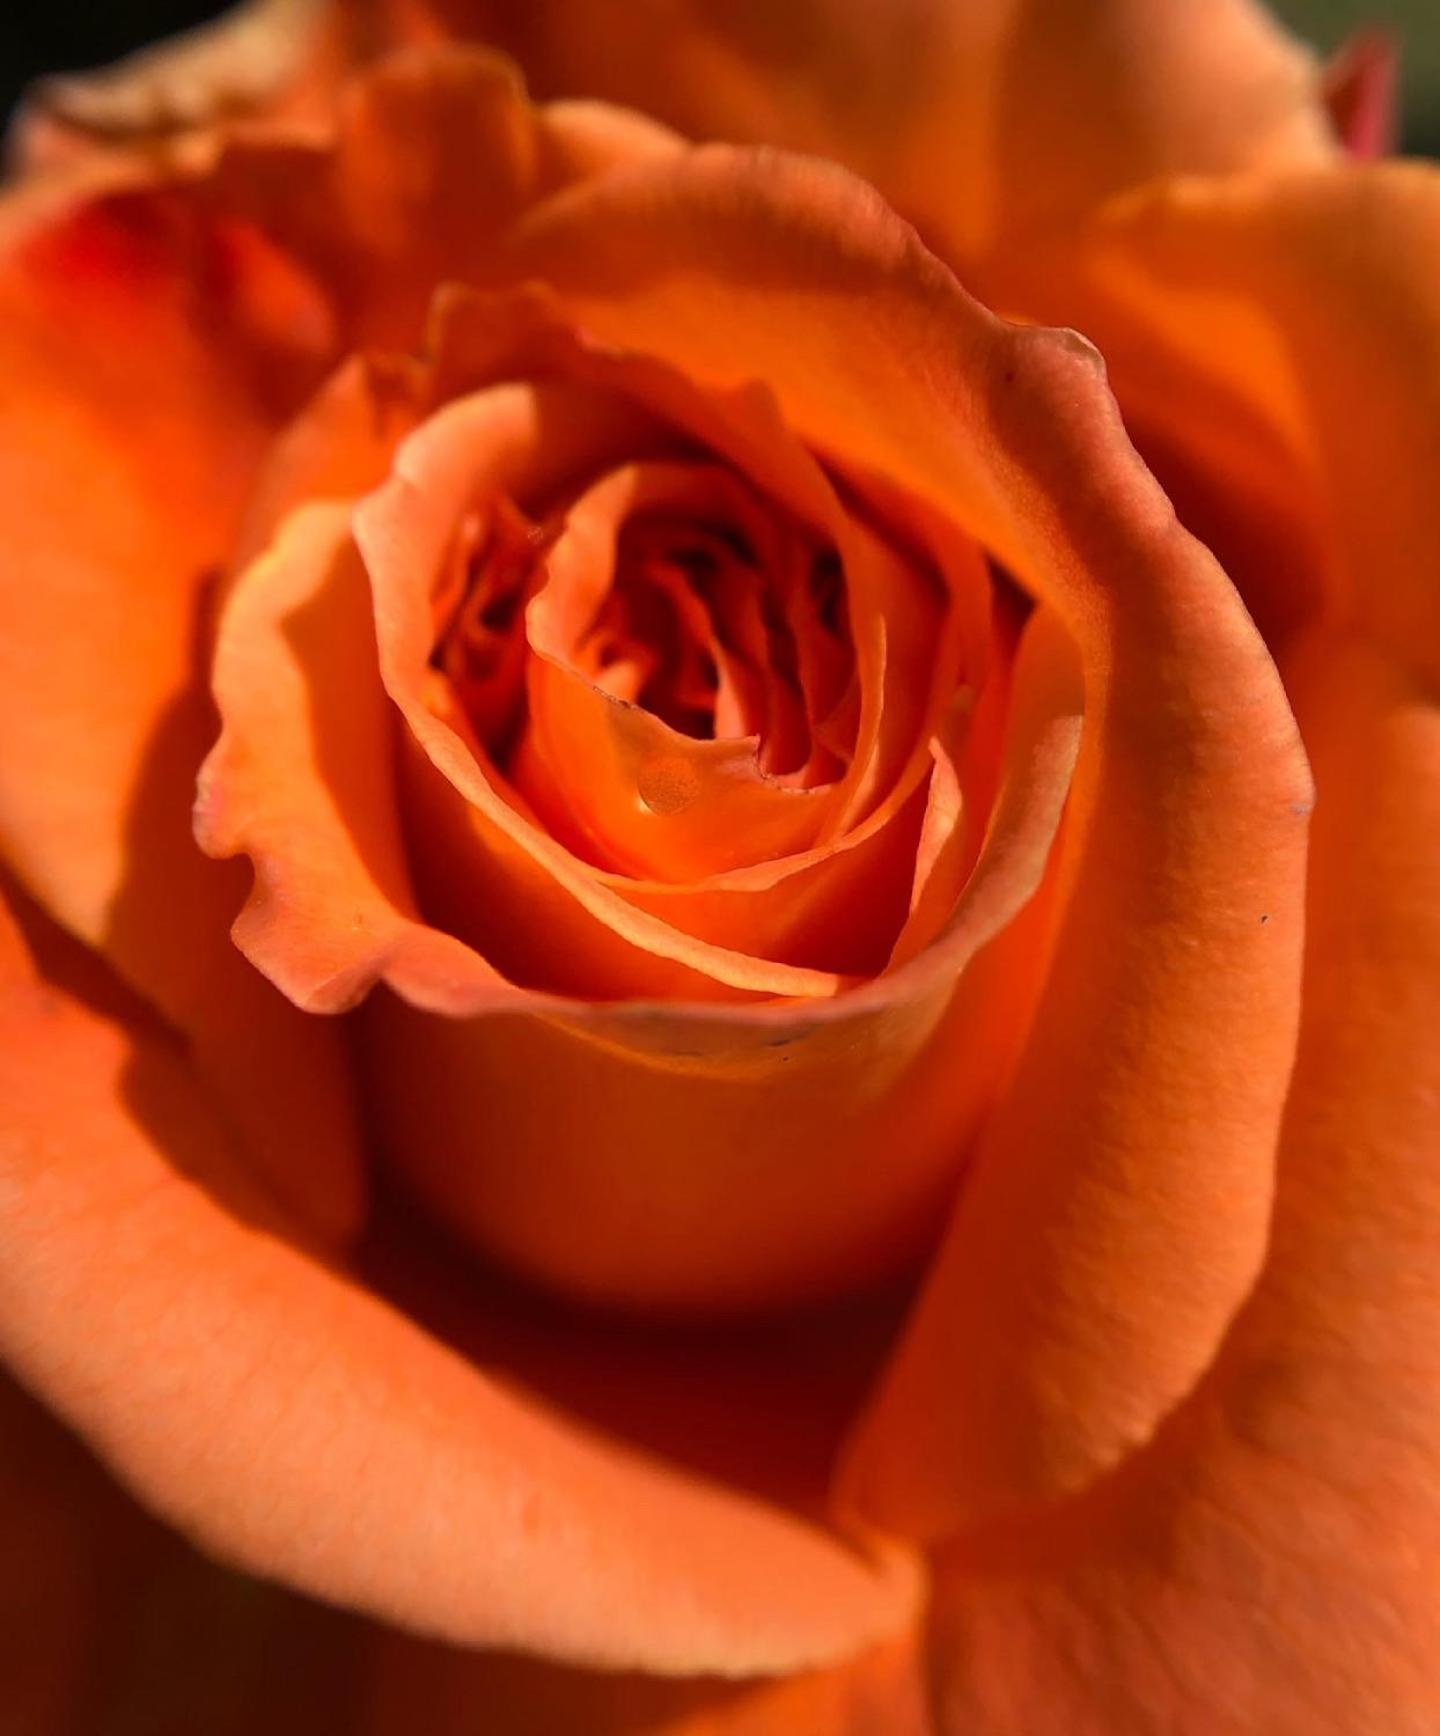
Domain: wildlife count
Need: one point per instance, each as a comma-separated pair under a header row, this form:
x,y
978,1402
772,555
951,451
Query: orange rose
x,y
636,614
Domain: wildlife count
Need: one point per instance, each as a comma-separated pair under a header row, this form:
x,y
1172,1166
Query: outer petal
x,y
114,1623
976,120
1267,1563
295,1425
384,203
1114,1219
332,906
1296,321
262,55
156,339
968,117
123,486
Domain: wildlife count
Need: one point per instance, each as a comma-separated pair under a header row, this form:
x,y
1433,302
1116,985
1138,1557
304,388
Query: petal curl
x,y
1266,1563
315,807
881,1693
1188,824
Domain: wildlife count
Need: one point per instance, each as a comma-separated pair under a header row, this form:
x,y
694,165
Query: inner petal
x,y
480,647
786,616
669,730
486,870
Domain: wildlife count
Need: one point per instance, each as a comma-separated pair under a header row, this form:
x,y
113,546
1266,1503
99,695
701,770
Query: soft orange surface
x,y
750,784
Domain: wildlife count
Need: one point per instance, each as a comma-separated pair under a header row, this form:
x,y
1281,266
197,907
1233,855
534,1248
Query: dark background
x,y
59,35
38,36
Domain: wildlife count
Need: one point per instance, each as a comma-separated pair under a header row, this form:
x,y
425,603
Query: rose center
x,y
718,624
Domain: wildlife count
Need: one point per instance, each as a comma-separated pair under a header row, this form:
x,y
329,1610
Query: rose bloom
x,y
720,1013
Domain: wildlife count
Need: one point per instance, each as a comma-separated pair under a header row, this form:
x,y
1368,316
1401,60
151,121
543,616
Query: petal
x,y
404,531
723,1159
898,577
285,61
110,1618
280,56
964,116
296,1426
161,457
1266,1562
1301,312
1111,1224
1362,92
325,940
976,121
663,805
310,797
759,1211
148,352
383,203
